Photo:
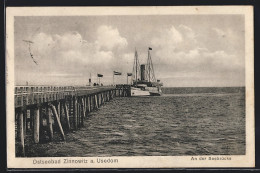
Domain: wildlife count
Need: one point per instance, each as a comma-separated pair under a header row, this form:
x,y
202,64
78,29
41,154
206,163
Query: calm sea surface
x,y
187,122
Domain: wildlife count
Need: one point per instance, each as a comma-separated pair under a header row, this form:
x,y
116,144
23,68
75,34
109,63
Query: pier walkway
x,y
41,110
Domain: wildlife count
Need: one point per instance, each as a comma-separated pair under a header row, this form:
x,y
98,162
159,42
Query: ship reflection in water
x,y
207,122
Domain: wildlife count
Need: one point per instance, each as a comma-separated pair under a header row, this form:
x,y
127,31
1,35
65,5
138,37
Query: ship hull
x,y
139,92
155,94
149,91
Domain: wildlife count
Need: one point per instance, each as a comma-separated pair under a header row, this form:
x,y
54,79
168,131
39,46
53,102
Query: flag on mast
x,y
150,48
117,73
129,74
99,75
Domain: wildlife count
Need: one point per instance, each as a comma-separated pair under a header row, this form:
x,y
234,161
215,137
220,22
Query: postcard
x,y
130,87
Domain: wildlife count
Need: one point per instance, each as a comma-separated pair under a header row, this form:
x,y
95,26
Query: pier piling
x,y
49,123
58,121
36,123
41,109
21,133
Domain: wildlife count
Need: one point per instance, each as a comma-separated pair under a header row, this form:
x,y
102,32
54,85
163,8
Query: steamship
x,y
146,85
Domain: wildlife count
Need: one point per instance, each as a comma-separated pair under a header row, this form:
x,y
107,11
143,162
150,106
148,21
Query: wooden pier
x,y
41,110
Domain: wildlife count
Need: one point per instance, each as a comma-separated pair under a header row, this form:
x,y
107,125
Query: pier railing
x,y
30,95
41,110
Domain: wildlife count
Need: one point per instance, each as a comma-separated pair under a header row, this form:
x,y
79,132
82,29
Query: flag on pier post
x,y
150,48
116,73
128,74
99,76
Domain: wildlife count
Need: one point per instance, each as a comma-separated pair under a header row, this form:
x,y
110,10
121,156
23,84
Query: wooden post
x,y
21,132
58,109
86,105
96,101
67,116
82,117
100,99
75,113
90,103
70,108
16,118
79,113
31,118
58,120
49,121
62,113
27,116
36,125
103,99
93,103
41,131
89,106
24,122
83,107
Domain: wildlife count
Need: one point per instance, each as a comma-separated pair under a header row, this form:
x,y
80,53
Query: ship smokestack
x,y
143,72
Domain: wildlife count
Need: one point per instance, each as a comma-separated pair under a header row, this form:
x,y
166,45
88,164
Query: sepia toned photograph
x,y
130,87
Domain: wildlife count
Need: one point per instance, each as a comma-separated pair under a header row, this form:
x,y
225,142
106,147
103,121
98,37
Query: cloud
x,y
109,38
181,38
60,55
219,32
68,41
41,45
187,32
168,38
178,51
71,47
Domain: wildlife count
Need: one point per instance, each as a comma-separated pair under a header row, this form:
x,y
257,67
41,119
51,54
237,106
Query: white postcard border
x,y
247,160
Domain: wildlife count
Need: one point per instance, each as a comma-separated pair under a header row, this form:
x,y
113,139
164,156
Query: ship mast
x,y
135,68
150,70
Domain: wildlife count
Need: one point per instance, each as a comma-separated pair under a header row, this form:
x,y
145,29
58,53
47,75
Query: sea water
x,y
183,121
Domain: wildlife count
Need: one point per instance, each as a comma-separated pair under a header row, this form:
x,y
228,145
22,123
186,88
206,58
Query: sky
x,y
187,50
